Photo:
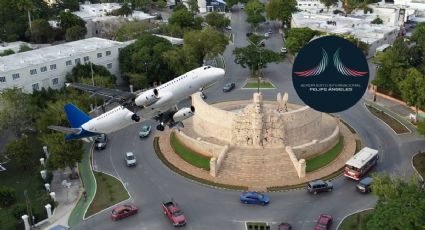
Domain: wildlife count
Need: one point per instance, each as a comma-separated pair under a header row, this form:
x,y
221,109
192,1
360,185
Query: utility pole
x,y
92,79
29,211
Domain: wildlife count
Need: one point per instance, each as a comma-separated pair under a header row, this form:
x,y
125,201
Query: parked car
x,y
173,211
124,211
283,50
228,87
324,222
285,226
249,34
266,35
270,31
100,141
364,186
145,131
254,198
242,6
228,28
319,186
130,159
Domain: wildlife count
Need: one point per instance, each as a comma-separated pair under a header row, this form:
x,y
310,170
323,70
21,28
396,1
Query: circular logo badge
x,y
330,74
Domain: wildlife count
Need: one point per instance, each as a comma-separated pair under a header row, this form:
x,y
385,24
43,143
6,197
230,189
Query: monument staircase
x,y
257,168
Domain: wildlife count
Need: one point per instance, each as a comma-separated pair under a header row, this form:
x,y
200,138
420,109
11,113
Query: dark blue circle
x,y
331,84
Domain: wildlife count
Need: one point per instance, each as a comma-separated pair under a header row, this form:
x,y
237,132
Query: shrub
x,y
7,196
19,210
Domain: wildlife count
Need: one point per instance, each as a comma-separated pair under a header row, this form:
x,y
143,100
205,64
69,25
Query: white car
x,y
266,35
130,159
283,50
228,28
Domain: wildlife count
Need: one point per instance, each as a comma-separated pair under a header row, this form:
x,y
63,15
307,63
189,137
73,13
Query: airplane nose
x,y
220,72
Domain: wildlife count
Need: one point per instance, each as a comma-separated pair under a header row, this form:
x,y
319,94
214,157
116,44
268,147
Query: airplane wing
x,y
113,94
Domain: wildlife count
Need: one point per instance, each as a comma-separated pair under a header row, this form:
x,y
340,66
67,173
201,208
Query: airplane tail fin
x,y
75,116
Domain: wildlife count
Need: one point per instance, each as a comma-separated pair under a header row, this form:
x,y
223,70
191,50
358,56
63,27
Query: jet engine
x,y
183,114
147,98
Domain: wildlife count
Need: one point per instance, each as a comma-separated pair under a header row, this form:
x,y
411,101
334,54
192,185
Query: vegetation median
x,y
395,125
109,191
419,163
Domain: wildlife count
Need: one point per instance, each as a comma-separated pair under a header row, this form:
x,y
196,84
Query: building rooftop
x,y
88,11
358,26
42,55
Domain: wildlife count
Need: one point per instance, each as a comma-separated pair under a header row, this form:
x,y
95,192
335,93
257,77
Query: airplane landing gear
x,y
160,127
135,118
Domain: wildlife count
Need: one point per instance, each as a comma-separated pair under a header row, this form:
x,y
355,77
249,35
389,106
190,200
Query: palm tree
x,y
28,6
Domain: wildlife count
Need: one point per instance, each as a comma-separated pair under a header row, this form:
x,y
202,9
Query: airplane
x,y
159,103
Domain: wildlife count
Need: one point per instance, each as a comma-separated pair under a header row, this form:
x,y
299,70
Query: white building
x,y
47,67
358,26
308,5
88,10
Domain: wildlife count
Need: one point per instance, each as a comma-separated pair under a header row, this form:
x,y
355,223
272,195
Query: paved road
x,y
207,208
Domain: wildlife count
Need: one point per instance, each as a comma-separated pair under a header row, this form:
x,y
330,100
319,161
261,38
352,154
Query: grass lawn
x,y
358,145
419,163
109,192
257,226
264,85
190,176
325,158
390,121
188,155
354,222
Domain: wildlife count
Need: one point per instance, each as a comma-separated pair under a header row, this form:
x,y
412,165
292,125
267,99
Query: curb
x,y
414,168
361,210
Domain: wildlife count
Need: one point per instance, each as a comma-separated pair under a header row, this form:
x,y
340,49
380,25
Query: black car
x,y
228,87
100,141
248,34
364,186
319,186
285,226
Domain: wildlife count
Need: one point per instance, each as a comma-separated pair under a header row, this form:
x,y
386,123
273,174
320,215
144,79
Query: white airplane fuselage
x,y
169,95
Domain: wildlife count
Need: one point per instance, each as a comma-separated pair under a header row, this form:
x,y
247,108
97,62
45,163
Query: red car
x,y
324,222
173,211
124,211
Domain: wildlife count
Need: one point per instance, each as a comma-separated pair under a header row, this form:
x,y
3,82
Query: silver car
x,y
130,159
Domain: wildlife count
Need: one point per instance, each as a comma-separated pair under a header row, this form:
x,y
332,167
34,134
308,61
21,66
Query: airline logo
x,y
330,74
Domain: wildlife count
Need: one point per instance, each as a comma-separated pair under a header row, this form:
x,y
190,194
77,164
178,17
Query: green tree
x,y
80,72
125,10
206,43
193,6
41,31
413,89
298,37
24,48
329,3
7,196
14,22
133,30
100,81
145,57
7,52
75,33
400,204
254,56
21,152
61,5
138,80
179,6
254,10
17,110
418,35
180,59
217,20
182,18
281,10
28,6
416,56
377,20
62,153
68,20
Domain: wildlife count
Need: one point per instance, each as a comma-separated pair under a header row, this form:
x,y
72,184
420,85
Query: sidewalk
x,y
65,197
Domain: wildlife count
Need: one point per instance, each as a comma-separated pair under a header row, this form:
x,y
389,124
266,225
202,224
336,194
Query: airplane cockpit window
x,y
207,67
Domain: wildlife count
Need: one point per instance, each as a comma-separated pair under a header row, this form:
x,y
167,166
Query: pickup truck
x,y
173,211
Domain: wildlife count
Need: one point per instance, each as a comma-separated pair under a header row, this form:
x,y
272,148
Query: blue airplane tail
x,y
75,116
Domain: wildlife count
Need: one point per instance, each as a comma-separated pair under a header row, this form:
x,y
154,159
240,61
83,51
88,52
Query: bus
x,y
357,166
